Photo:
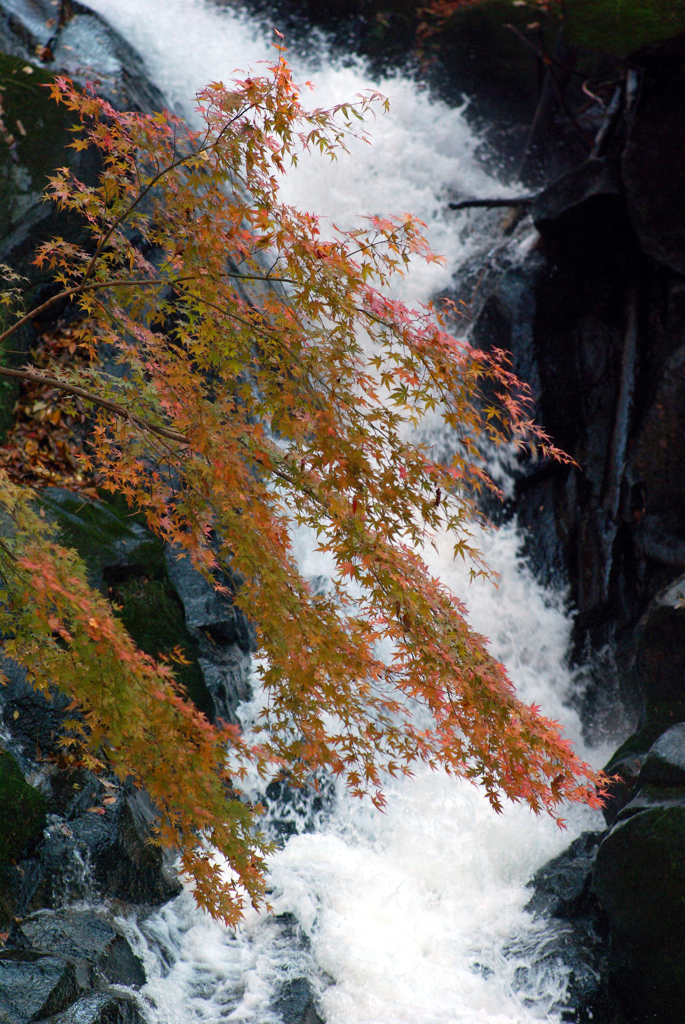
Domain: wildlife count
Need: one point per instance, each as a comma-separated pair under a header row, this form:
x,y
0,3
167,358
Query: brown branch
x,y
466,204
88,396
96,286
122,282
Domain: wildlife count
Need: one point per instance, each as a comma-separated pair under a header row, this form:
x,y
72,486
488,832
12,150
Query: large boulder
x,y
82,936
639,879
36,986
69,37
573,940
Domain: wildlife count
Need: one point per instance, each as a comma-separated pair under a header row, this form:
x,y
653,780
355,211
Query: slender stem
x,y
88,396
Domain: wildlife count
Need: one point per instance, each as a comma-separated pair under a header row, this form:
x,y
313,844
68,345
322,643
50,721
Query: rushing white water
x,y
405,917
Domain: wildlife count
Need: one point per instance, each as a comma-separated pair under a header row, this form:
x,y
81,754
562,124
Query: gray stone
x,y
81,43
83,935
100,1008
205,608
665,762
295,1003
33,986
562,883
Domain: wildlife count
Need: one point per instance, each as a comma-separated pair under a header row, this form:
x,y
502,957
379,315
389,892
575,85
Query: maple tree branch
x,y
466,204
123,283
95,286
158,177
88,396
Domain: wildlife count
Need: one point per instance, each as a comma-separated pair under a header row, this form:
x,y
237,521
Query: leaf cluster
x,y
269,381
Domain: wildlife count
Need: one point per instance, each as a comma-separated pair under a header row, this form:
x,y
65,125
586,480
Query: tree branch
x,y
465,204
88,396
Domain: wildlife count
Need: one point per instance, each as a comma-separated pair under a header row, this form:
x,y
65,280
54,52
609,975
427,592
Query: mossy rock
x,y
39,132
153,616
619,27
41,135
22,811
126,562
660,718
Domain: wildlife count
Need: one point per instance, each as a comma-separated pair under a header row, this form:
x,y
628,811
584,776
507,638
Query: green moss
x,y
40,130
619,27
22,811
103,535
153,617
126,562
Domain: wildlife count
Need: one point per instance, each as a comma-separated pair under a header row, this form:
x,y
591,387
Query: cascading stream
x,y
405,917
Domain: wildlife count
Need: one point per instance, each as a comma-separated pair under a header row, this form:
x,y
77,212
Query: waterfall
x,y
414,916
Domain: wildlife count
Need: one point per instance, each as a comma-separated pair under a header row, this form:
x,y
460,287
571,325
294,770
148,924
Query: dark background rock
x,y
640,882
22,811
654,165
100,1008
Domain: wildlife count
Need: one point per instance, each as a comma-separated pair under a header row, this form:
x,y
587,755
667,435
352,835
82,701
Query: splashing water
x,y
403,917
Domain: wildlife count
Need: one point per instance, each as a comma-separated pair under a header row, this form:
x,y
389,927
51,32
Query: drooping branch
x,y
88,396
466,204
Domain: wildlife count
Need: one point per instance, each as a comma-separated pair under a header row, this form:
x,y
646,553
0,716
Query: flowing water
x,y
414,916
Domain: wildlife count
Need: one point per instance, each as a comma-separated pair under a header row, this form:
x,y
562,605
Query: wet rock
x,y
205,608
70,37
224,635
562,886
622,789
84,936
576,193
124,864
126,561
35,987
639,880
653,166
665,762
292,810
295,1003
574,940
32,719
105,851
100,1008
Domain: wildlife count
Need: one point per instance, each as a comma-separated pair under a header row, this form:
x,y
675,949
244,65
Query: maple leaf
x,y
255,359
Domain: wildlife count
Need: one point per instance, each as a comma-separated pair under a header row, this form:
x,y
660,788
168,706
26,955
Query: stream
x,y
415,915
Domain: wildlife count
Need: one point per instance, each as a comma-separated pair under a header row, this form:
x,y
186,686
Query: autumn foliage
x,y
270,382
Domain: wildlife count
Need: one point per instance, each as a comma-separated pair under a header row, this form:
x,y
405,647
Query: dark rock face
x,y
605,359
82,936
608,313
640,883
223,633
295,1003
34,986
575,941
22,811
654,170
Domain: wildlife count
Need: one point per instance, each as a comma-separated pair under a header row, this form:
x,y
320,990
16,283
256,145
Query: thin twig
x,y
465,204
88,396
